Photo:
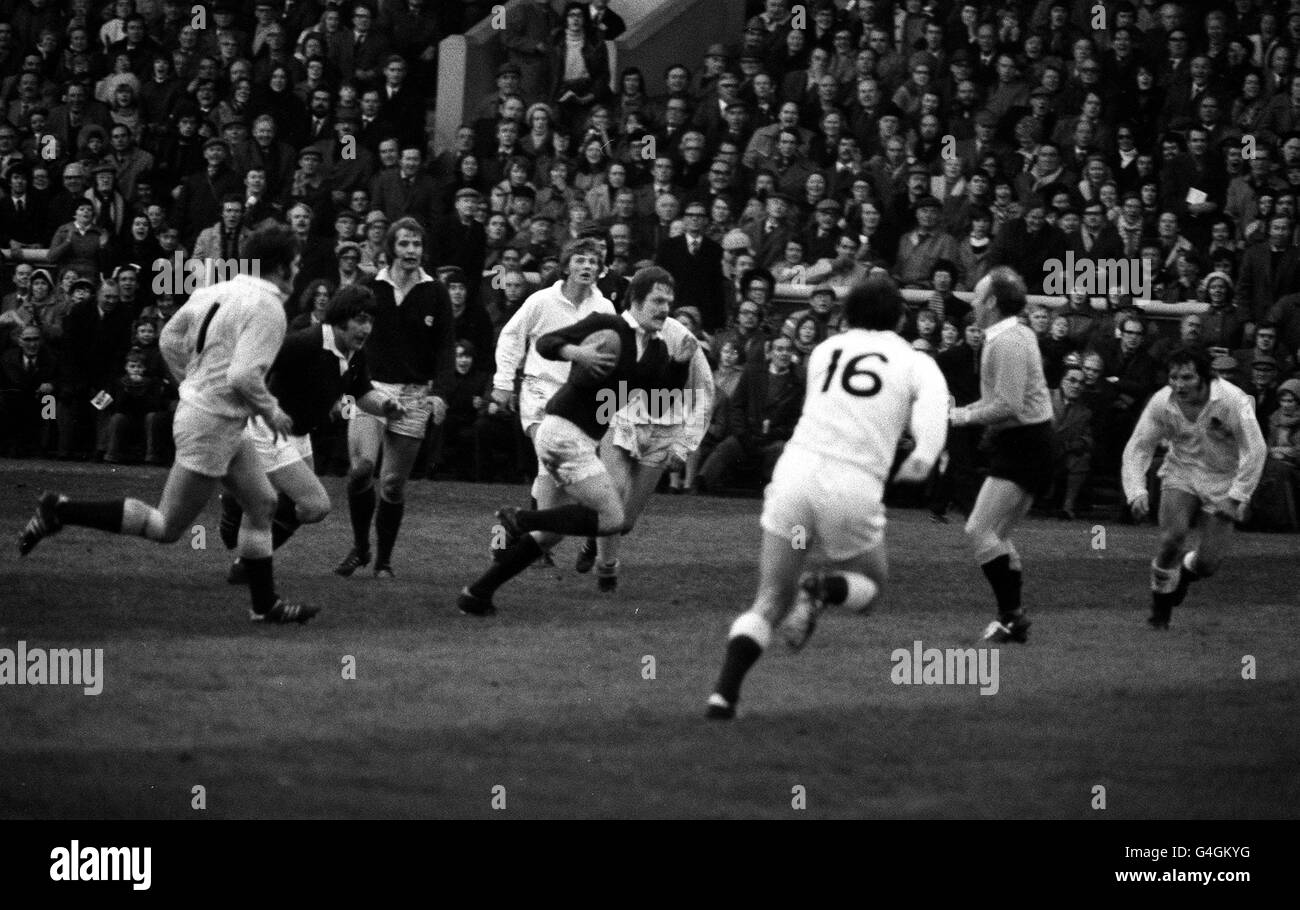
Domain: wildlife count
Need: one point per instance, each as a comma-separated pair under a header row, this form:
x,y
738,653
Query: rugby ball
x,y
606,340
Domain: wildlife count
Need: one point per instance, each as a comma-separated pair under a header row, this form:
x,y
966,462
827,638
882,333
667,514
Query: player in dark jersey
x,y
577,417
315,368
412,357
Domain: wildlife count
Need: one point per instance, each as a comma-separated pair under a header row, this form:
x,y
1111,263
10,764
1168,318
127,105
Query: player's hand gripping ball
x,y
599,352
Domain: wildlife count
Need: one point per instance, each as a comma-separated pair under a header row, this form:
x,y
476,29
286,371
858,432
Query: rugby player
x,y
1215,459
586,500
219,346
570,300
865,387
1016,410
412,358
315,368
646,437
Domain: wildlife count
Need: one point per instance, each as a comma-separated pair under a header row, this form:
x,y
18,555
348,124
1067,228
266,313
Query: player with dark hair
x,y
219,346
865,387
615,356
1015,407
1215,458
315,368
645,437
412,358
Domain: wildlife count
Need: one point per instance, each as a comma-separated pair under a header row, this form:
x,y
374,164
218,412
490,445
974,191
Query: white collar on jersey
x,y
422,277
998,328
328,343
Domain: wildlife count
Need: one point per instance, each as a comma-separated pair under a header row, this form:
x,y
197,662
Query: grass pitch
x,y
550,700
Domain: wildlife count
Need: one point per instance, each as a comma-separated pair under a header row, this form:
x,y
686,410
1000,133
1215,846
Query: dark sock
x,y
742,652
1162,606
102,515
231,514
285,521
1006,588
387,522
1017,581
261,583
361,505
572,520
835,589
514,560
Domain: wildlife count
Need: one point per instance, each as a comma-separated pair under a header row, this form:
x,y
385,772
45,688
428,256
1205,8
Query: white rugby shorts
x,y
1212,491
534,394
411,395
206,443
833,507
565,452
276,453
649,444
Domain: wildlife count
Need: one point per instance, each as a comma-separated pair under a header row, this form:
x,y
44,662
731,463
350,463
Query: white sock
x,y
751,625
862,591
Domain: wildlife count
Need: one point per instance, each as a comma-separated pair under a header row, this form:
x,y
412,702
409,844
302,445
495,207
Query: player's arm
x,y
512,344
172,345
1010,379
255,351
566,343
1254,454
1138,453
929,420
699,406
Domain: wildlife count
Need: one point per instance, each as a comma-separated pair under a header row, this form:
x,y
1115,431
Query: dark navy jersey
x,y
586,399
305,378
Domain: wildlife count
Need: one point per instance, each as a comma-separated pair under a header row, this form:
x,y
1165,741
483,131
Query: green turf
x,y
548,699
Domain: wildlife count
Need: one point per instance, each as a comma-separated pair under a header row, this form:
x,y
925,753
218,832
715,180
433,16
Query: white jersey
x,y
1222,452
545,311
221,345
864,389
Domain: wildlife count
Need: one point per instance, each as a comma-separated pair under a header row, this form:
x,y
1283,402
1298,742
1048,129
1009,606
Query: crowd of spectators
x,y
930,139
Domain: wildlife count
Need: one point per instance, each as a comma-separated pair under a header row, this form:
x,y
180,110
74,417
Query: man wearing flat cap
x,y
199,203
920,249
459,240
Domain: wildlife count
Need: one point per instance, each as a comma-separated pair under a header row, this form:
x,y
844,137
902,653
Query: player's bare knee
x,y
392,487
361,474
1171,542
612,520
313,510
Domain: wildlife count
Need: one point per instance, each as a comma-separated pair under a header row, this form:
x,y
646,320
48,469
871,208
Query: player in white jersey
x,y
645,437
865,387
219,346
1215,460
557,307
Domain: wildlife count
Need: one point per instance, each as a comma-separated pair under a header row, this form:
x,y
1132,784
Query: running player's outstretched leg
x,y
183,499
779,566
1001,504
364,437
854,584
